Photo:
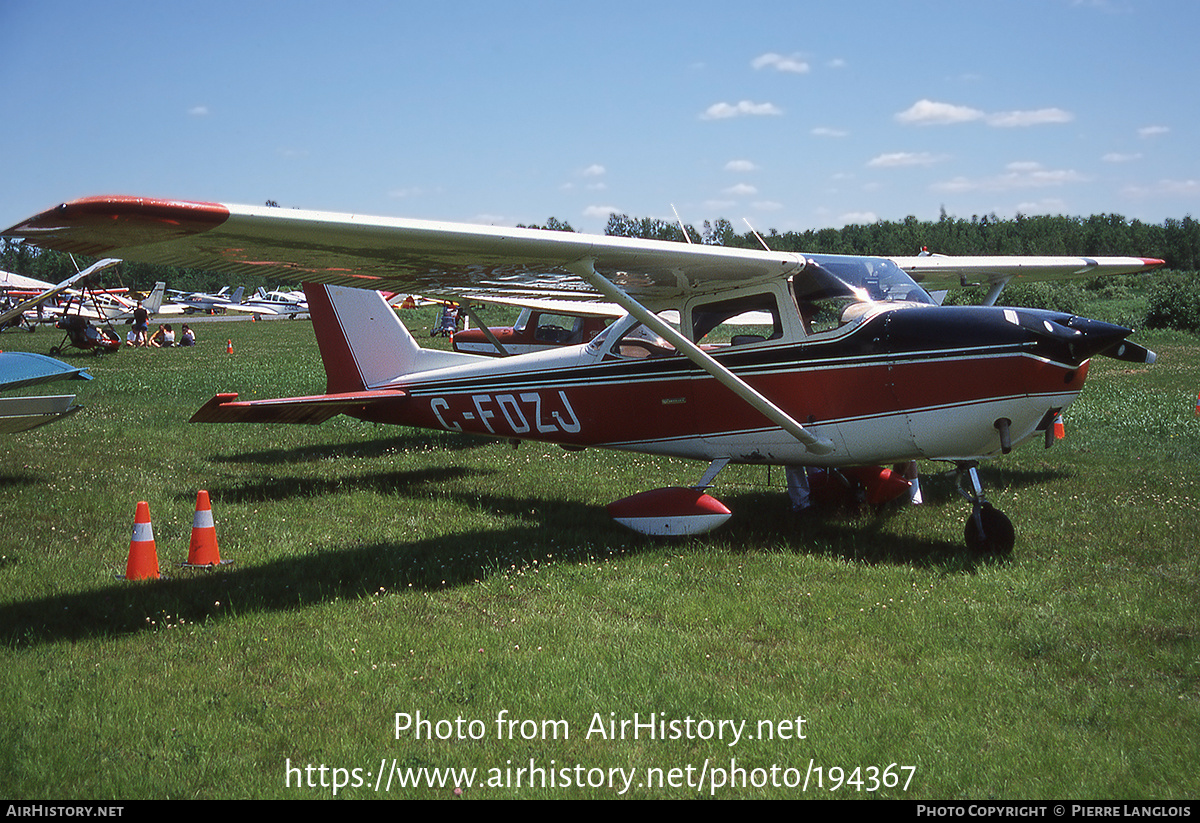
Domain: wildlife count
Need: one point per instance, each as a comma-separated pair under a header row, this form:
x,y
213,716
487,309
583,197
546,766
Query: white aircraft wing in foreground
x,y
21,369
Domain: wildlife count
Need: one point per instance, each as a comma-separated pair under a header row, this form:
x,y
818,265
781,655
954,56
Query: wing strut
x,y
482,326
816,445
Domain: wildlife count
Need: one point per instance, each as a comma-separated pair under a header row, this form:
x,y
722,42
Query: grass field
x,y
478,598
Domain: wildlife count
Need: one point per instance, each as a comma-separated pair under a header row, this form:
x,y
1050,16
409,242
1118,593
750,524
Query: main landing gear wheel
x,y
989,531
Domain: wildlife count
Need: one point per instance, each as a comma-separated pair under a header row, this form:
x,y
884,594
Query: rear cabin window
x,y
740,321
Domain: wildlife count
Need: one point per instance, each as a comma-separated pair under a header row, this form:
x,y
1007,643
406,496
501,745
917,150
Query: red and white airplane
x,y
859,367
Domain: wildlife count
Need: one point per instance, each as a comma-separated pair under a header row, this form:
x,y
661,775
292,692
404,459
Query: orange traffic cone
x,y
229,347
1060,431
143,556
203,549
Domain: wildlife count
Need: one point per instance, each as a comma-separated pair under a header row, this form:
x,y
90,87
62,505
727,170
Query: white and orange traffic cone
x,y
229,347
1060,431
143,556
202,551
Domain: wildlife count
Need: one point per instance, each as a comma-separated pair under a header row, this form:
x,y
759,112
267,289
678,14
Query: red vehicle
x,y
538,327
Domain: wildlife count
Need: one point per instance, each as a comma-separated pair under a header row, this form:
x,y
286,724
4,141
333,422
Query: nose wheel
x,y
988,530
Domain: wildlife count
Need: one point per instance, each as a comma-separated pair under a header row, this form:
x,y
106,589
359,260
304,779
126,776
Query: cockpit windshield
x,y
831,291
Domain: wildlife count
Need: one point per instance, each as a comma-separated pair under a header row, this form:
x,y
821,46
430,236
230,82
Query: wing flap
x,y
226,408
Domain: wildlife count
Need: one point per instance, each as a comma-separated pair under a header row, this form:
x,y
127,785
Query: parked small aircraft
x,y
858,367
19,369
199,301
273,302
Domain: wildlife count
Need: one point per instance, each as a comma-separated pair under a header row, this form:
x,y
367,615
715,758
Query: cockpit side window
x,y
738,321
630,341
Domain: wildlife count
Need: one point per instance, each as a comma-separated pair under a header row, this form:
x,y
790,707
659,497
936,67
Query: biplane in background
x,y
858,366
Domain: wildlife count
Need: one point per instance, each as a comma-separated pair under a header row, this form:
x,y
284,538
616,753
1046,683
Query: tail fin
x,y
236,297
154,302
363,343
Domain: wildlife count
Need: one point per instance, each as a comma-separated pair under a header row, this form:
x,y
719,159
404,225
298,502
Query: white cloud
x,y
600,211
931,113
793,64
1049,205
1152,131
198,111
927,112
740,190
825,131
1035,117
740,166
859,218
723,111
905,158
410,191
594,170
1117,157
766,205
1169,188
1023,175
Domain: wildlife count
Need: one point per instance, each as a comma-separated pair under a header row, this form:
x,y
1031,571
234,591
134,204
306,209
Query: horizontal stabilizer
x,y
225,408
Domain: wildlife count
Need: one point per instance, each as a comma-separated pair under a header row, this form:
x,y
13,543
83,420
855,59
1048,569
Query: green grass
x,y
380,570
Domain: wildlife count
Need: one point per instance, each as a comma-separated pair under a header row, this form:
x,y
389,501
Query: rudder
x,y
362,341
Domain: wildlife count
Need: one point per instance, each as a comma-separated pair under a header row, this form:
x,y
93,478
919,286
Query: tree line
x,y
1104,235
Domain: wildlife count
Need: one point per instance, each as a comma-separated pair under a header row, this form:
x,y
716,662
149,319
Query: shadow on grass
x,y
550,530
940,488
355,450
294,582
849,534
289,488
20,479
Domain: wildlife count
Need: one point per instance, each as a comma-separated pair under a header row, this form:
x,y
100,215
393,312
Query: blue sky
x,y
793,115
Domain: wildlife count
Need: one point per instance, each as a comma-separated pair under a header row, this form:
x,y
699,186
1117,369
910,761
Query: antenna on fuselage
x,y
756,234
682,227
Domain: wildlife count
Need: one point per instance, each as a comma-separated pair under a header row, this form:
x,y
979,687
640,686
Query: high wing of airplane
x,y
858,366
14,313
11,282
20,369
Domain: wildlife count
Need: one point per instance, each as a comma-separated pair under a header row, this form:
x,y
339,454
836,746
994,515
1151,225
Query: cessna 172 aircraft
x,y
859,366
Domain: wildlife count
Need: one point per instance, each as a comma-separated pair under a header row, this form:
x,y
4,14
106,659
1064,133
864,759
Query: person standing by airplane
x,y
141,324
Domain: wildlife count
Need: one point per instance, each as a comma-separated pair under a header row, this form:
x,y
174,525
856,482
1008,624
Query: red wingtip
x,y
1153,263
